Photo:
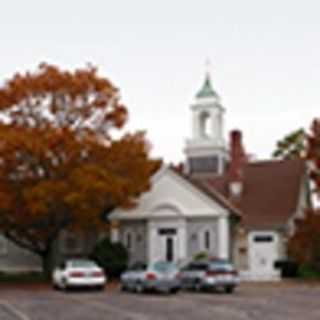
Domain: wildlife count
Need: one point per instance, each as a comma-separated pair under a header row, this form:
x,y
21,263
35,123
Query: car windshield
x,y
221,265
163,266
138,266
82,264
197,266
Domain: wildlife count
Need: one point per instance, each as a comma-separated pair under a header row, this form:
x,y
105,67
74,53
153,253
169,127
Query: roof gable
x,y
172,195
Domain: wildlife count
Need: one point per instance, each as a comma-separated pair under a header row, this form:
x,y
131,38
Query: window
x,y
167,232
128,240
164,267
82,263
3,245
138,266
206,239
221,266
139,238
197,266
203,164
264,238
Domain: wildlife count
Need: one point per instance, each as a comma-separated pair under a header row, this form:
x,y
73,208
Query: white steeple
x,y
206,150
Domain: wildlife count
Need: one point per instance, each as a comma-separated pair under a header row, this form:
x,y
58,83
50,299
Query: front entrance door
x,y
170,249
167,240
263,254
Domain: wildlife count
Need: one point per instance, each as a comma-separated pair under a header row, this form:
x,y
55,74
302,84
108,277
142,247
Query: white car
x,y
78,273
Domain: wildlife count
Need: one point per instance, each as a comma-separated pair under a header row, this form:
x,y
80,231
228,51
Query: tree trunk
x,y
47,264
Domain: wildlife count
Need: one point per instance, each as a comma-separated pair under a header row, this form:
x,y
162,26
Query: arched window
x,y
204,124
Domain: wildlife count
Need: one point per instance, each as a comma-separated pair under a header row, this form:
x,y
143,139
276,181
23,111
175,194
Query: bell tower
x,y
206,150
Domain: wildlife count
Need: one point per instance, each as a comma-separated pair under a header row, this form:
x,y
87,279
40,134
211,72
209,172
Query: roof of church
x,y
206,91
211,192
270,193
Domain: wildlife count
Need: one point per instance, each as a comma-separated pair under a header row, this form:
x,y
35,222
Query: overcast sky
x,y
265,59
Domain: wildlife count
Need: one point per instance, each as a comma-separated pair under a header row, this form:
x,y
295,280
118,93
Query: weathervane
x,y
207,66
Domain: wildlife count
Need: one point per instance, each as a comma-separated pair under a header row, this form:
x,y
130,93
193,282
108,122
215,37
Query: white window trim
x,y
3,246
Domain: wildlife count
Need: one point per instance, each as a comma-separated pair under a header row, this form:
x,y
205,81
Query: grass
x,y
22,278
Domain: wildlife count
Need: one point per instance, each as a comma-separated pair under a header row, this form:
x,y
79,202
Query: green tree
x,y
112,257
292,145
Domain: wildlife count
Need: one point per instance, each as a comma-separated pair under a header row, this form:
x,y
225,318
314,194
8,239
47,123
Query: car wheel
x,y
197,286
123,287
55,286
64,285
139,288
174,290
229,289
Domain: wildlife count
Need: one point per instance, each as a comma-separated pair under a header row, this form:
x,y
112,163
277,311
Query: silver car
x,y
159,276
210,274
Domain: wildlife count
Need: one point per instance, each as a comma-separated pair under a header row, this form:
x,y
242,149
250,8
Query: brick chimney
x,y
237,161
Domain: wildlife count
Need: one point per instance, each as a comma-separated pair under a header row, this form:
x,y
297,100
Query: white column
x,y
224,238
182,242
195,125
153,244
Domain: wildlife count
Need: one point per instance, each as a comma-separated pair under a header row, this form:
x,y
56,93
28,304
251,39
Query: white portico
x,y
178,221
167,239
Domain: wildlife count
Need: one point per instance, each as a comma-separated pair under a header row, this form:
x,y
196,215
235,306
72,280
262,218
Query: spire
x,y
207,91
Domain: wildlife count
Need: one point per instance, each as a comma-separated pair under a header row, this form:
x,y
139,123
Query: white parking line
x,y
14,311
104,306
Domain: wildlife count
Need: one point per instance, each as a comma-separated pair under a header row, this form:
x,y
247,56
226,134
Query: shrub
x,y
201,256
289,269
23,277
307,272
112,257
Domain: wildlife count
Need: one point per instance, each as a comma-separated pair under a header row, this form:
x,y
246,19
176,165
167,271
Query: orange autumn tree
x,y
304,245
60,167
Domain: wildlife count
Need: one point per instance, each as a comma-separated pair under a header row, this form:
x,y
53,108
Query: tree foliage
x,y
60,168
292,145
304,246
313,155
80,100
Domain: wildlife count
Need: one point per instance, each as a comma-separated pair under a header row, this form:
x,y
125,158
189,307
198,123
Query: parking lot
x,y
250,301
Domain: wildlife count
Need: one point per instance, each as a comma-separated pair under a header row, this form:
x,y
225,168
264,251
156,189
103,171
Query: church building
x,y
219,202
